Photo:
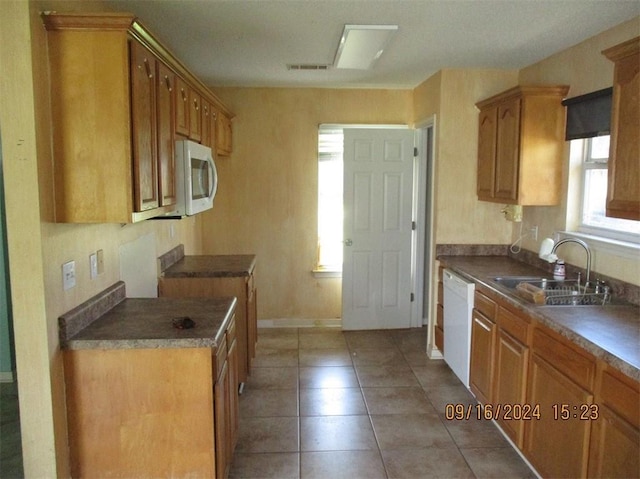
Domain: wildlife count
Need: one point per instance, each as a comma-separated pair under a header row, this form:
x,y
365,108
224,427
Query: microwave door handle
x,y
212,173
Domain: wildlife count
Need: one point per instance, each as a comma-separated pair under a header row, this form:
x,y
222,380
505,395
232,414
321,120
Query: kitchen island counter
x,y
611,332
112,321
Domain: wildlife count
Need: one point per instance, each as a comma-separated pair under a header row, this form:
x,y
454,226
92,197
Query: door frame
x,y
424,211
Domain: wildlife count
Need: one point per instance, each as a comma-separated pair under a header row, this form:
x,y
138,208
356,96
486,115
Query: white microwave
x,y
196,178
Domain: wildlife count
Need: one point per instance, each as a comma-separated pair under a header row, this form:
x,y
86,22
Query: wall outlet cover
x,y
68,275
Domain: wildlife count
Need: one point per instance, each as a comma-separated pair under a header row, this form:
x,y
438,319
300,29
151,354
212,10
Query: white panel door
x,y
378,189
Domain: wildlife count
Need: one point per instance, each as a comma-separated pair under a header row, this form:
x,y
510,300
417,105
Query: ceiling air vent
x,y
308,66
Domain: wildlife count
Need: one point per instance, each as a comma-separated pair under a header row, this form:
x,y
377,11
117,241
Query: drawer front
x,y
622,395
513,324
250,285
570,361
485,305
220,357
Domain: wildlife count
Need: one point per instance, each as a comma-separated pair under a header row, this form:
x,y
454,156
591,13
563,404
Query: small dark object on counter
x,y
183,323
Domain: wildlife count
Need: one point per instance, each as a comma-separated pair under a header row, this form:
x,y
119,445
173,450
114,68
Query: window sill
x,y
326,273
615,247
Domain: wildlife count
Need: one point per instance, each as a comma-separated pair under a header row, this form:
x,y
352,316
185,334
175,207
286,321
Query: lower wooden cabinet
x,y
140,412
615,438
558,443
586,421
243,288
483,339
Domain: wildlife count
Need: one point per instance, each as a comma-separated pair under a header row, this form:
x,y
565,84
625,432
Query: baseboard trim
x,y
300,323
7,376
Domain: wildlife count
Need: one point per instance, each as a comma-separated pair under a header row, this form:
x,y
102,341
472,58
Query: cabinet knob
x,y
348,242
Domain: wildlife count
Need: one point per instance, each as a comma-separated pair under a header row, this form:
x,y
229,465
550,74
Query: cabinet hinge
x,y
415,151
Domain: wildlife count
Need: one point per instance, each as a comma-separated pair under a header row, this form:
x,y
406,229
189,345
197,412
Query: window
x,y
330,148
595,156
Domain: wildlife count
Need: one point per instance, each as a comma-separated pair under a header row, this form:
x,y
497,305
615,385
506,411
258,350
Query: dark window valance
x,y
589,115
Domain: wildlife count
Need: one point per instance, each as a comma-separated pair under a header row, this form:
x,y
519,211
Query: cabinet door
x,y
165,113
623,193
143,112
615,446
487,137
483,338
195,115
182,107
206,114
555,446
510,382
221,415
223,134
507,151
234,411
252,321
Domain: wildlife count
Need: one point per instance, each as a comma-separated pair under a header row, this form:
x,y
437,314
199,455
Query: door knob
x,y
348,242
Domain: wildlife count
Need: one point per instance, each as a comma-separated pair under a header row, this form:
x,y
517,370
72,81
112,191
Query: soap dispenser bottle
x,y
559,272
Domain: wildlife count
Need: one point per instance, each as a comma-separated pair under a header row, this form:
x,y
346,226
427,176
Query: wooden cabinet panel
x,y
125,419
143,112
556,447
623,193
571,361
485,305
195,115
224,140
221,414
483,338
234,405
521,146
208,125
439,326
488,129
615,438
507,151
182,107
512,361
165,113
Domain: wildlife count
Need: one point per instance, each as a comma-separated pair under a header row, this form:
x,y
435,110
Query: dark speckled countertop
x,y
174,264
611,333
144,322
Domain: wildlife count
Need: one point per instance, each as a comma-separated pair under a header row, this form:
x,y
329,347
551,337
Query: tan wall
x,y
585,69
268,195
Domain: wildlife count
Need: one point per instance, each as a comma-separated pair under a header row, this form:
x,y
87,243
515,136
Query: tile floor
x,y
322,403
10,445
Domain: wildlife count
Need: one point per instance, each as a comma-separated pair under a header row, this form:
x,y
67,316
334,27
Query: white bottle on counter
x,y
559,271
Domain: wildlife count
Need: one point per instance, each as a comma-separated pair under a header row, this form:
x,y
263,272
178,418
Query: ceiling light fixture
x,y
361,45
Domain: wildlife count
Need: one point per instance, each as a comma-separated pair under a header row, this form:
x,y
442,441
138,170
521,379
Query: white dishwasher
x,y
458,306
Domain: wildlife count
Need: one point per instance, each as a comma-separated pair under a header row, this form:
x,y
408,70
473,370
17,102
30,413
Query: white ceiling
x,y
250,42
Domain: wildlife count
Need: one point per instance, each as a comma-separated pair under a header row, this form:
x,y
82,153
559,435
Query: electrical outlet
x,y
100,258
93,265
534,232
68,275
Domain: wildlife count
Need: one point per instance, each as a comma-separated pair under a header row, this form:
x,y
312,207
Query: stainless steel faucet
x,y
586,248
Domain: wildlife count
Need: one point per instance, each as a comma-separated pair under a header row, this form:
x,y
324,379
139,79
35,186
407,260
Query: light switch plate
x,y
93,265
68,275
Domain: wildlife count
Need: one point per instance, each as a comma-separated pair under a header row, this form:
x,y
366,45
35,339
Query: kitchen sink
x,y
550,292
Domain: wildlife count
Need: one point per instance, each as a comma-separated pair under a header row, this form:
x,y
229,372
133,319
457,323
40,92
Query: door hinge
x,y
413,225
412,297
415,151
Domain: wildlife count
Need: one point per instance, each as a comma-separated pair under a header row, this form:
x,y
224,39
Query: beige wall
x,y
585,69
267,198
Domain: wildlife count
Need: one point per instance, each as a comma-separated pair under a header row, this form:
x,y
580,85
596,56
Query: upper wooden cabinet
x,y
224,145
521,145
117,105
623,193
